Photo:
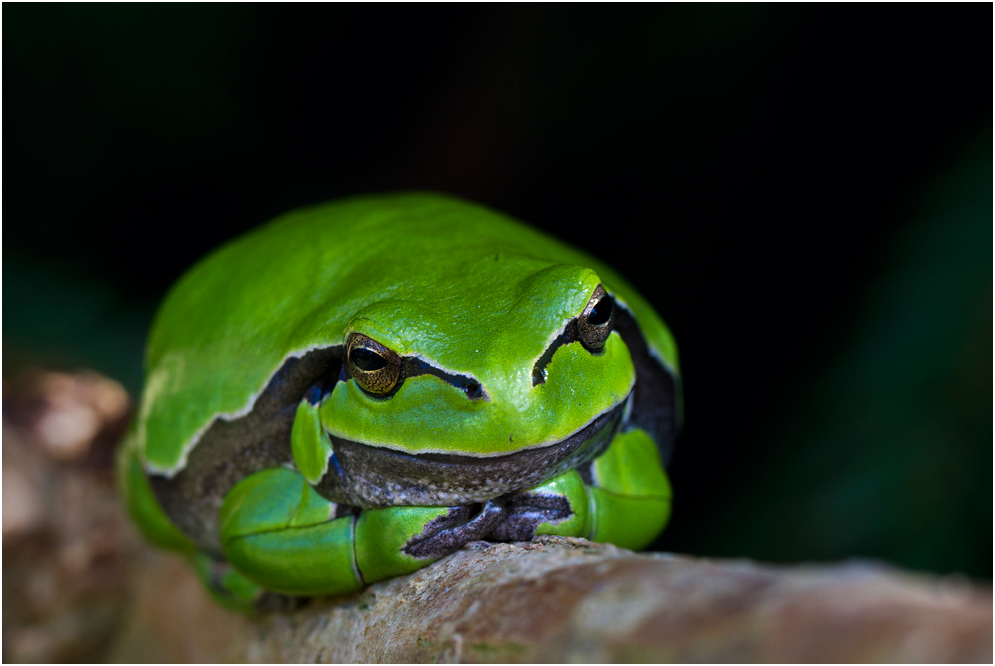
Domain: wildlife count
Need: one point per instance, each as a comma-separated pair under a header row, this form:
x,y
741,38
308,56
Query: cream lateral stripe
x,y
328,458
170,472
627,411
654,352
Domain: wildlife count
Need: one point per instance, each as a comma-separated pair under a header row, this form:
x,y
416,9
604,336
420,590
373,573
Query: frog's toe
x,y
226,585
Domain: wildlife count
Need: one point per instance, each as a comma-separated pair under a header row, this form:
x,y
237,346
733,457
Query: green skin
x,y
457,286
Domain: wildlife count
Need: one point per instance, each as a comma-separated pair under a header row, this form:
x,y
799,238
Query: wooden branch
x,y
558,599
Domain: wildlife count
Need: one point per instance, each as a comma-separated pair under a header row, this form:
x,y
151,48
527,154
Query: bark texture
x,y
556,599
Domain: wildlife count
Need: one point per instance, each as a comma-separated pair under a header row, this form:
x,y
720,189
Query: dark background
x,y
804,193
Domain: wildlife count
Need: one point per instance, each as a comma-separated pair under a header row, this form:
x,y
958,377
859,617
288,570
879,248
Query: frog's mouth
x,y
369,477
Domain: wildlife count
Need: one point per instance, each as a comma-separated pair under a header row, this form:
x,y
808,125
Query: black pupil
x,y
366,359
601,312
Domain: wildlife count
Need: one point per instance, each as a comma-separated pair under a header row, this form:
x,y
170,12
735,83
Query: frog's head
x,y
448,397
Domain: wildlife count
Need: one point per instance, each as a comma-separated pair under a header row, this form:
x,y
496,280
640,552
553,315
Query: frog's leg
x,y
224,584
627,501
630,492
277,531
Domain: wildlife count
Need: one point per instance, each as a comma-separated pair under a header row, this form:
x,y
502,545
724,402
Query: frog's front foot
x,y
522,513
625,501
454,529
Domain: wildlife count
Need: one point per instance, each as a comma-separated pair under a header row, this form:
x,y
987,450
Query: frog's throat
x,y
368,476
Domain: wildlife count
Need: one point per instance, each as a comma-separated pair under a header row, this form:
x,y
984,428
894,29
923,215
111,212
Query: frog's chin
x,y
368,477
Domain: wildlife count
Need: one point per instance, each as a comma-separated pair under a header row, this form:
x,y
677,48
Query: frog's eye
x,y
595,324
374,367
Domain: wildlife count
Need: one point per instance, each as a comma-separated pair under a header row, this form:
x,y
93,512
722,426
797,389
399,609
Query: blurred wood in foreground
x,y
66,542
79,585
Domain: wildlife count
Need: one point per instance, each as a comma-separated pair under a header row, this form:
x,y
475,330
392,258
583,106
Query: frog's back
x,y
290,287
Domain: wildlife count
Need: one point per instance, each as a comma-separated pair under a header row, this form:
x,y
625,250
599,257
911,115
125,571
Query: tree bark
x,y
555,600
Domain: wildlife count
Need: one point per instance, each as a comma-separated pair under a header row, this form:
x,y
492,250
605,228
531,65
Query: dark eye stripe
x,y
470,386
568,335
379,370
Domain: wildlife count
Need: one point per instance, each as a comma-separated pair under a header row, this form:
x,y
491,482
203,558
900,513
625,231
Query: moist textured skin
x,y
494,363
469,290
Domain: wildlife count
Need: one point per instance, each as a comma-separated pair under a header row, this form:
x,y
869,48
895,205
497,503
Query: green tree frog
x,y
360,388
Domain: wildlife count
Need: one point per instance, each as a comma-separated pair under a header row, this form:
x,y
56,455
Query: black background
x,y
751,169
